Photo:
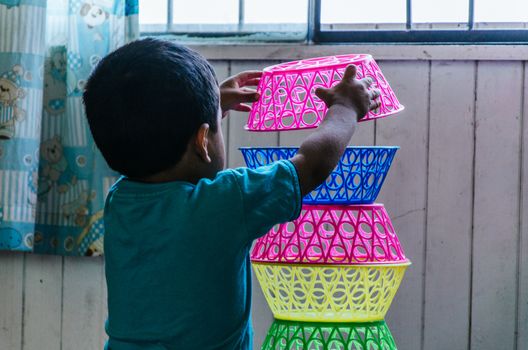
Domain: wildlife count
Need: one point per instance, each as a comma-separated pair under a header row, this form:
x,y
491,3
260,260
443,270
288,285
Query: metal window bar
x,y
170,14
411,35
241,14
314,19
471,14
408,14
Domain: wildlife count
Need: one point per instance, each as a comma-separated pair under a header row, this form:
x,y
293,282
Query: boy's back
x,y
177,262
177,227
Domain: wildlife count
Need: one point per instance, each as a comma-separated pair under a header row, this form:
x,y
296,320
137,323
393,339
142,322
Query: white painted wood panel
x,y
404,192
103,314
43,299
83,311
523,229
238,137
496,218
222,72
384,52
449,206
434,303
11,300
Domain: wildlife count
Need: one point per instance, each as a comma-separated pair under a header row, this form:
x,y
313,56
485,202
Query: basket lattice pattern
x,y
290,335
288,98
357,179
329,293
358,234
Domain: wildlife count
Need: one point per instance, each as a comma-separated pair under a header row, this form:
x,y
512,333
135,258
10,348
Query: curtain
x,y
53,180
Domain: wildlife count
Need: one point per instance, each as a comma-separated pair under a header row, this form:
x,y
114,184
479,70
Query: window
x,y
428,21
235,19
440,21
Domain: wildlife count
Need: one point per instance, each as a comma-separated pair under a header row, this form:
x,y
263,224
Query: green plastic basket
x,y
293,335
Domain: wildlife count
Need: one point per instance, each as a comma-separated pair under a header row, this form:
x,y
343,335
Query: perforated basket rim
x,y
332,324
405,263
380,116
284,334
297,147
365,56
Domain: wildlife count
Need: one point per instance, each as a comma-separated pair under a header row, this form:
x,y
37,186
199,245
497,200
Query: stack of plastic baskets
x,y
330,276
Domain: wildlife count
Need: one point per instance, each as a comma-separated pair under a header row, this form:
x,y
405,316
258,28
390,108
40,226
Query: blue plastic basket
x,y
357,179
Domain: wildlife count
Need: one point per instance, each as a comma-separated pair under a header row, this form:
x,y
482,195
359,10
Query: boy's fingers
x,y
374,105
242,108
247,75
247,90
240,95
248,95
374,94
350,72
323,94
368,81
250,82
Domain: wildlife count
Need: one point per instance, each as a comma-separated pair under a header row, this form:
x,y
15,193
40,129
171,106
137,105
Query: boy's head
x,y
151,104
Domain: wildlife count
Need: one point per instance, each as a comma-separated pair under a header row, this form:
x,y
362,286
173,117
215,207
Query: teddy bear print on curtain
x,y
53,181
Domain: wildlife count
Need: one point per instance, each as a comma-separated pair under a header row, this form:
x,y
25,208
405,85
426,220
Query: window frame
x,y
312,32
240,32
469,35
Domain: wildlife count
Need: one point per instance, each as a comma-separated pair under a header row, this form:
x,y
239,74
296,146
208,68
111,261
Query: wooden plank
x,y
222,72
383,52
365,134
404,192
496,208
43,298
449,206
11,300
104,305
523,259
83,307
238,137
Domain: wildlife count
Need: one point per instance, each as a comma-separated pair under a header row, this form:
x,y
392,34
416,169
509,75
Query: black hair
x,y
145,101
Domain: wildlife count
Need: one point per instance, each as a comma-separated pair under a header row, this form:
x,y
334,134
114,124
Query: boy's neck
x,y
185,170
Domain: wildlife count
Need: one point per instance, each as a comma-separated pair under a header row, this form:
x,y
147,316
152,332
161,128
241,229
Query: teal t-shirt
x,y
177,256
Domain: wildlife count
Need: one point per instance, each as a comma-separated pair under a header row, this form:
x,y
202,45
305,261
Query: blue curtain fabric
x,y
53,180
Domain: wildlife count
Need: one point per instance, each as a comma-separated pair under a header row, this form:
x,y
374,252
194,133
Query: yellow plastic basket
x,y
329,293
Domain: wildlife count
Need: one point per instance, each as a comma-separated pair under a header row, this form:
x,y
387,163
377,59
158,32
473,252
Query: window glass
x,y
153,12
360,11
276,11
501,11
205,11
440,11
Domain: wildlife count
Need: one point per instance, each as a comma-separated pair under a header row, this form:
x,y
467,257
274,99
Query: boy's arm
x,y
319,154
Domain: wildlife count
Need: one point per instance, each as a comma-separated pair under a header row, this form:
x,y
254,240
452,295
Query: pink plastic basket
x,y
288,100
346,235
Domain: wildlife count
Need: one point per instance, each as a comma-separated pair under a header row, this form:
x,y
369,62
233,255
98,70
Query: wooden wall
x,y
457,194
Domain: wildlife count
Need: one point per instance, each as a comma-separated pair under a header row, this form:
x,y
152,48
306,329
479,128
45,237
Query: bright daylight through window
x,y
341,20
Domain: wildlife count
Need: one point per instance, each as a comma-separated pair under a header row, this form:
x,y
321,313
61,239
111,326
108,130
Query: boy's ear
x,y
202,141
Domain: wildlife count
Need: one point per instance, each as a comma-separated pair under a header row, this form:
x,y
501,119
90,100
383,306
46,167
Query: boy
x,y
178,226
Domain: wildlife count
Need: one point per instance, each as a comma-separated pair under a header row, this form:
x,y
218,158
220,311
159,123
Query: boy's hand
x,y
234,93
320,152
351,93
